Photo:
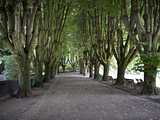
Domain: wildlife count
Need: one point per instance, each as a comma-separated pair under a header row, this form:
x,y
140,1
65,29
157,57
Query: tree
x,y
19,22
124,49
104,37
84,44
145,15
98,27
53,18
124,52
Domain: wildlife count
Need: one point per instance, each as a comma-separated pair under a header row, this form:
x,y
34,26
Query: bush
x,y
11,68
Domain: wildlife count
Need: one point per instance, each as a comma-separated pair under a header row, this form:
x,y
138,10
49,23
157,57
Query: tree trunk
x,y
82,66
39,75
83,69
90,70
120,75
64,68
25,83
106,72
52,72
58,69
73,67
149,86
47,72
96,70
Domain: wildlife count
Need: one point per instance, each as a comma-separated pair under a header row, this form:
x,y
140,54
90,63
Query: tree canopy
x,y
44,35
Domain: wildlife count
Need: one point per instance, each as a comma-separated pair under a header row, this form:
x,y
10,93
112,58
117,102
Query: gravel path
x,y
77,98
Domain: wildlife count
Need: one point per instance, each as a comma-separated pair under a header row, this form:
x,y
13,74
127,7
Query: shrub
x,y
11,68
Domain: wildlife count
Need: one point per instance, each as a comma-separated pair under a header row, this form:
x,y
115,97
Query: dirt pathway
x,y
78,98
